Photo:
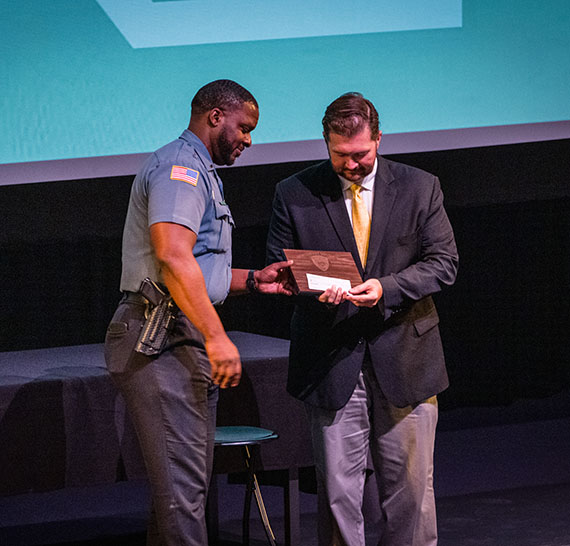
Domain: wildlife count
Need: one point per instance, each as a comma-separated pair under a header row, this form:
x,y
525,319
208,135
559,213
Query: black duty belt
x,y
134,297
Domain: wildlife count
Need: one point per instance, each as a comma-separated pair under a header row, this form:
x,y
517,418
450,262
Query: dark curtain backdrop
x,y
505,322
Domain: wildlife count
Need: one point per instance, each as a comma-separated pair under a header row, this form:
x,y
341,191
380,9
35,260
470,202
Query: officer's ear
x,y
215,116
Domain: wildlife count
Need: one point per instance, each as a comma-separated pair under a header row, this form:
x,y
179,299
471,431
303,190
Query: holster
x,y
159,321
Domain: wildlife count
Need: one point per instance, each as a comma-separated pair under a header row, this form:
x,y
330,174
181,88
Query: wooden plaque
x,y
316,270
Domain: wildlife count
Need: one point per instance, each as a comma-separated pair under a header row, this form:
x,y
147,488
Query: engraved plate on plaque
x,y
316,270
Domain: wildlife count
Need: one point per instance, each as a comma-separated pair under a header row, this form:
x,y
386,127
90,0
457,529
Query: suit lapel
x,y
384,196
333,200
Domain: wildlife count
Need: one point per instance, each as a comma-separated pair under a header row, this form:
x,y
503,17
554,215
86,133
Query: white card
x,y
318,282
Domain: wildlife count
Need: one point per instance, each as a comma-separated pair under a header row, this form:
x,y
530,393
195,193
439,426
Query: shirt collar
x,y
200,147
367,182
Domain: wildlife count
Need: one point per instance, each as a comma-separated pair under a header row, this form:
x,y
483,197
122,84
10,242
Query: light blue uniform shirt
x,y
179,184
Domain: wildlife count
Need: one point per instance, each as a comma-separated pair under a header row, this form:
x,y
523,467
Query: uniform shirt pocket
x,y
226,224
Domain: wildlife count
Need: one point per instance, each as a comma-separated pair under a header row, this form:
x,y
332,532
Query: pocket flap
x,y
117,328
223,212
425,324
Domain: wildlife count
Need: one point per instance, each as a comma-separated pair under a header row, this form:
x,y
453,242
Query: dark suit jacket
x,y
412,252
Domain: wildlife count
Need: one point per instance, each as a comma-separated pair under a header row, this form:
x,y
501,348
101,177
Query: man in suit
x,y
368,363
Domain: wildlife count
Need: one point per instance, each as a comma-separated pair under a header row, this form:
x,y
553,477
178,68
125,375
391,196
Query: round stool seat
x,y
242,435
247,436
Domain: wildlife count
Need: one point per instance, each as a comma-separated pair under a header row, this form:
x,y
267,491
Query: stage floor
x,y
496,486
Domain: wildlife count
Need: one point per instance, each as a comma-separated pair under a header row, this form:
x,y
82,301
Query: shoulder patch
x,y
184,174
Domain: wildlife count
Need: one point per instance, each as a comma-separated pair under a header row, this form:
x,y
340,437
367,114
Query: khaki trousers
x,y
399,442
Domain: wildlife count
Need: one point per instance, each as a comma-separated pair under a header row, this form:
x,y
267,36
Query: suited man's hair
x,y
223,94
349,115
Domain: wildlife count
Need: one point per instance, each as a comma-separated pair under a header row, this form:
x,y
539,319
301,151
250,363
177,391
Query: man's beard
x,y
225,150
356,175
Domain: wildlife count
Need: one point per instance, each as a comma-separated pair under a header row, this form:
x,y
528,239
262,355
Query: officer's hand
x,y
333,295
275,279
367,294
225,360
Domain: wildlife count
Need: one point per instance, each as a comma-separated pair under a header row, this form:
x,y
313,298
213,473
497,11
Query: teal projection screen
x,y
112,79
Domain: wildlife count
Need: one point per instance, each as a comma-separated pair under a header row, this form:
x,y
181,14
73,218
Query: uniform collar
x,y
189,137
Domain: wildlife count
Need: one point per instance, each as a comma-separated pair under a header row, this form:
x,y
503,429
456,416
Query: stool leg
x,y
249,461
247,503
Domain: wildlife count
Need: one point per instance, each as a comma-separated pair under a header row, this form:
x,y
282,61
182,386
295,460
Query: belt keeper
x,y
250,282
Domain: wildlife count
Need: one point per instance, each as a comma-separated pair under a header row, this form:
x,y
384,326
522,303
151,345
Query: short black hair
x,y
349,114
224,94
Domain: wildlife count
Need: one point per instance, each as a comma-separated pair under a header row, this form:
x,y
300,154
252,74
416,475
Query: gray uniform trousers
x,y
400,442
171,401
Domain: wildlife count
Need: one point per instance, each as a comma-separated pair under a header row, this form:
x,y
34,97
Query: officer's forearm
x,y
188,289
183,277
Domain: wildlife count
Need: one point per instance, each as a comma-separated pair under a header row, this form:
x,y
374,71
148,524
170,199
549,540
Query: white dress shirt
x,y
367,191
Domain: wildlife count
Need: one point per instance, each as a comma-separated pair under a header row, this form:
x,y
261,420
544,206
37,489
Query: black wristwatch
x,y
250,282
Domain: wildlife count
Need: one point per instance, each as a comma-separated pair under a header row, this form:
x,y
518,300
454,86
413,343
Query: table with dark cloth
x,y
62,423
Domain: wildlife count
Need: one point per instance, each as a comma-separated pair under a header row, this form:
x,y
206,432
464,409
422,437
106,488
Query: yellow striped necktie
x,y
360,222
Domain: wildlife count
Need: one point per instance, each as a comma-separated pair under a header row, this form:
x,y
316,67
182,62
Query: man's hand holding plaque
x,y
367,294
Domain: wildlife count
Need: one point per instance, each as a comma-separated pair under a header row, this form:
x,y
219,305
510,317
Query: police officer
x,y
178,234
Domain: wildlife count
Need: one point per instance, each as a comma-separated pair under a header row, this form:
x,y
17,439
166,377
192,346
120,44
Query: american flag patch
x,y
185,174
